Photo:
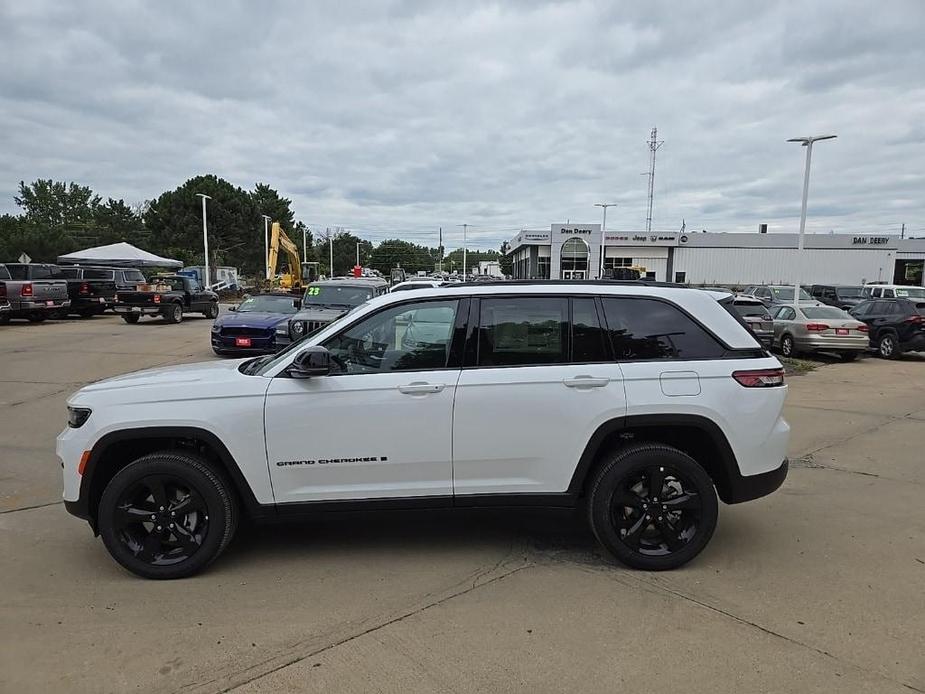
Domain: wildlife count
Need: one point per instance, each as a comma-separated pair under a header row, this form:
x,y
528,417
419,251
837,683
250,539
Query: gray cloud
x,y
406,116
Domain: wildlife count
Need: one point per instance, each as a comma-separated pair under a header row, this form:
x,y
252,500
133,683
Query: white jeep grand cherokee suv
x,y
637,402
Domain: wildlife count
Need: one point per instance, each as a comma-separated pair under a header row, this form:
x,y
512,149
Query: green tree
x,y
57,205
20,235
115,221
397,253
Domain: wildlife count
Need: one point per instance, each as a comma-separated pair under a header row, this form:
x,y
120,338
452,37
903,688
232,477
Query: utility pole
x,y
604,205
654,143
330,251
205,239
304,244
358,252
465,229
902,234
440,249
266,246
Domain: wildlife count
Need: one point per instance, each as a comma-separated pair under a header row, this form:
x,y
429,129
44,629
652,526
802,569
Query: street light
x,y
266,245
205,238
465,229
604,205
808,143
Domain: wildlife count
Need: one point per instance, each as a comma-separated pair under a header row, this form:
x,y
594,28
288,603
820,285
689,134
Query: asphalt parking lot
x,y
818,587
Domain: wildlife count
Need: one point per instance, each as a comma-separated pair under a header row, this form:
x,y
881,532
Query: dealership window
x,y
646,329
574,257
611,263
523,331
542,268
680,277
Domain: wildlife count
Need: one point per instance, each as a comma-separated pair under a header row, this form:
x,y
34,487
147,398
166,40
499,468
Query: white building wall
x,y
782,265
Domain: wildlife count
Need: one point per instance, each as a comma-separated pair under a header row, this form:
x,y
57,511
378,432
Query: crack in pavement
x,y
742,620
240,679
34,506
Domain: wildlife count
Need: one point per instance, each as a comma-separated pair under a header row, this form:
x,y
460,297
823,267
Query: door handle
x,y
419,388
585,382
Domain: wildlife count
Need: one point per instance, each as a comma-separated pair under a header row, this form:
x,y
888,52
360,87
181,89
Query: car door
x,y
381,425
537,382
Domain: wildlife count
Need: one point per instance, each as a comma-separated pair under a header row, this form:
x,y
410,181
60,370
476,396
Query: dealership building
x,y
582,251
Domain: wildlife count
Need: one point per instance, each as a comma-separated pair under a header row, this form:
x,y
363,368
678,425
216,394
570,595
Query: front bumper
x,y
225,344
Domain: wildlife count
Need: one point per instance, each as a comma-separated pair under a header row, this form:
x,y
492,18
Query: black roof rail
x,y
556,283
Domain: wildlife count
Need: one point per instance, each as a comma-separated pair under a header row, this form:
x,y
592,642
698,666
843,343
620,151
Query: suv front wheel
x,y
653,507
167,515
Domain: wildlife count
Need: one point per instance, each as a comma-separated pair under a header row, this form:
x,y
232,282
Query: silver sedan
x,y
818,328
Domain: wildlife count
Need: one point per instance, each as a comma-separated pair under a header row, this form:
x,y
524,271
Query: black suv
x,y
896,325
841,296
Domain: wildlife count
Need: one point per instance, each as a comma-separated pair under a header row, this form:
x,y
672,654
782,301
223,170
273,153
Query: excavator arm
x,y
278,239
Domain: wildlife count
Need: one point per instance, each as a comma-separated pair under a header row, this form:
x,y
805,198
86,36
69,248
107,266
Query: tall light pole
x,y
808,143
604,205
330,250
358,252
465,230
205,238
266,245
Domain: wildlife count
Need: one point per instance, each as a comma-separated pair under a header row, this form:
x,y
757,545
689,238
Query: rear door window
x,y
71,273
648,329
588,337
523,331
94,274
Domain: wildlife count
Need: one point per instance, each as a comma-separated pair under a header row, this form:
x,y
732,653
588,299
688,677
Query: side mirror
x,y
232,308
312,361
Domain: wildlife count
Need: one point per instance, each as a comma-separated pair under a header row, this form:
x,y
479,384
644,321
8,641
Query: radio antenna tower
x,y
654,143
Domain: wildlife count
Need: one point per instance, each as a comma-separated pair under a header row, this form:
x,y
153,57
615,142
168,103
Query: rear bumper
x,y
851,343
24,307
749,487
88,303
140,310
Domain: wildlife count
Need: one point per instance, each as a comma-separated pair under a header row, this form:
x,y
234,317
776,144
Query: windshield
x,y
824,312
268,304
849,292
749,310
335,295
911,292
786,293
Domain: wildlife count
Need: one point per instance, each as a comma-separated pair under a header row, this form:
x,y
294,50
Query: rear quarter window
x,y
649,329
133,276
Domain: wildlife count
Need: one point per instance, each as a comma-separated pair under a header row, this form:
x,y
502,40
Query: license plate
x,y
242,342
49,303
841,331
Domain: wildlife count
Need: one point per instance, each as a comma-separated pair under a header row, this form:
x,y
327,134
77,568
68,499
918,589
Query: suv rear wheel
x,y
653,507
167,515
887,347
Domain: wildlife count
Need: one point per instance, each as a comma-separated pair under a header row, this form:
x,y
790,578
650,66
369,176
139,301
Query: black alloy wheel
x,y
166,515
653,507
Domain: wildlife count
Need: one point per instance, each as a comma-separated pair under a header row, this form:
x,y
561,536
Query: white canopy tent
x,y
123,254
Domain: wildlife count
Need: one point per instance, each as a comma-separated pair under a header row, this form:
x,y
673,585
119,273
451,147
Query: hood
x,y
320,313
195,375
251,319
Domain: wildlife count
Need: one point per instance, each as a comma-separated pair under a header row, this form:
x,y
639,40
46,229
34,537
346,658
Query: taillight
x,y
84,288
862,328
816,327
760,378
157,298
26,289
915,318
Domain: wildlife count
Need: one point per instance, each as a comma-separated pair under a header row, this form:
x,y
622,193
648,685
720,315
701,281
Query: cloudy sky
x,y
405,116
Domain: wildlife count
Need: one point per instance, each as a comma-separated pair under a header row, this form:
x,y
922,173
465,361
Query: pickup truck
x,y
31,291
91,290
169,296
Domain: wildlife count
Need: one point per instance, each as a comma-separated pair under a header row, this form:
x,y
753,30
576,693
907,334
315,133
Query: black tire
x,y
888,347
173,313
620,496
848,356
130,318
4,318
157,488
787,347
212,311
37,317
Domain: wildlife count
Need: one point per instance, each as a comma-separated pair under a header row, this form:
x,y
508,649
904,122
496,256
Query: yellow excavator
x,y
293,279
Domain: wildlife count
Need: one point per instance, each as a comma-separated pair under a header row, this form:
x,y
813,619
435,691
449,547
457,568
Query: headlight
x,y
77,416
282,329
